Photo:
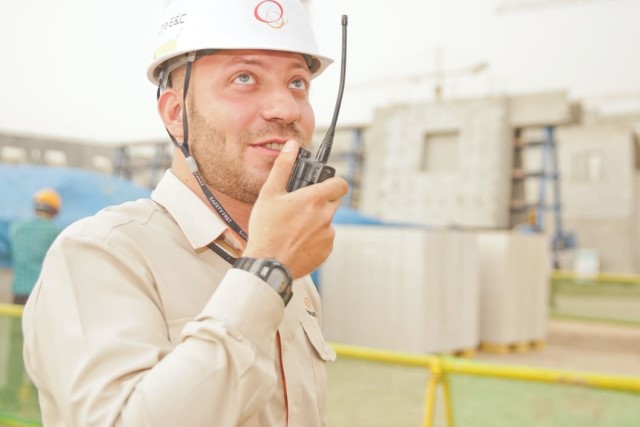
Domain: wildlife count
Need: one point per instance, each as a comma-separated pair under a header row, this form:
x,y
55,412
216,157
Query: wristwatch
x,y
271,271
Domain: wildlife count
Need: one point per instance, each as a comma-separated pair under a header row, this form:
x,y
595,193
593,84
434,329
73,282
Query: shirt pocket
x,y
319,353
317,341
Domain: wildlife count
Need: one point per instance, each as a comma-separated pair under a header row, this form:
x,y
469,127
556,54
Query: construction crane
x,y
438,75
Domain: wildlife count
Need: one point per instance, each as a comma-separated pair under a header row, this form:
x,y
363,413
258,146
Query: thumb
x,y
281,170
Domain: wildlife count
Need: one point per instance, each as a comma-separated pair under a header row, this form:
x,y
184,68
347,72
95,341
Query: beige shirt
x,y
135,322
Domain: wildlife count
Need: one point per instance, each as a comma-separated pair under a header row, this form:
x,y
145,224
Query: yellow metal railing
x,y
630,279
10,310
441,366
433,363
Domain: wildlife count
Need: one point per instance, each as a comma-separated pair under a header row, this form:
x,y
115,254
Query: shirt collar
x,y
197,221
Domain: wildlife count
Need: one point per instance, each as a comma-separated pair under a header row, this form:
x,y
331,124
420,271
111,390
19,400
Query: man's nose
x,y
281,106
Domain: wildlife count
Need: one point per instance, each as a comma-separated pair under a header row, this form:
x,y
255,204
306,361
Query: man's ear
x,y
170,108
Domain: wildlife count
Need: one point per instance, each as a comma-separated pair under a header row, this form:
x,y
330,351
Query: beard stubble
x,y
221,165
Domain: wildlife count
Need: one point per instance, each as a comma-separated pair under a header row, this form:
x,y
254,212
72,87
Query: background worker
x,y
29,241
195,307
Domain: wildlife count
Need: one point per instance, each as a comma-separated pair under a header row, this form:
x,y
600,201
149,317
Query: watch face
x,y
271,271
278,280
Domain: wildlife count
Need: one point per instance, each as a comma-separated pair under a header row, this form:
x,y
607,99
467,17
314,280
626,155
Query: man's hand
x,y
294,228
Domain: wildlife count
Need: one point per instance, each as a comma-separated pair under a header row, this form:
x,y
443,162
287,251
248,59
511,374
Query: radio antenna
x,y
325,147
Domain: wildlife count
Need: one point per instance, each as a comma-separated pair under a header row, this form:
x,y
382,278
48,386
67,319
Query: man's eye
x,y
244,79
298,84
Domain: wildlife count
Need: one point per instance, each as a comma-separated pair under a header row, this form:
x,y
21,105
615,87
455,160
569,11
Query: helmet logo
x,y
270,12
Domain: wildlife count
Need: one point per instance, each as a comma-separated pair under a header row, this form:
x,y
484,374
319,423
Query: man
x,y
159,312
29,241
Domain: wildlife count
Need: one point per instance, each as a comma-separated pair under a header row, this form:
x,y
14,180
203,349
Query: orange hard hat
x,y
47,199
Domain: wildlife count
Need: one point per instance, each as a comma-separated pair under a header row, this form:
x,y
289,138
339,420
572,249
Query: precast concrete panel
x,y
475,192
597,167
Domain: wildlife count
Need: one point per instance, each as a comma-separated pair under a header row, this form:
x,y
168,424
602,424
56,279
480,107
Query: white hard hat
x,y
196,25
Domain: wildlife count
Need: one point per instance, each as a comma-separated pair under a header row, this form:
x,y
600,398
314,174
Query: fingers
x,y
337,189
331,190
334,189
279,175
295,228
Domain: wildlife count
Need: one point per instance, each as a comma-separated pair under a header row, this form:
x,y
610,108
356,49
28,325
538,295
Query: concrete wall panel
x,y
597,171
473,193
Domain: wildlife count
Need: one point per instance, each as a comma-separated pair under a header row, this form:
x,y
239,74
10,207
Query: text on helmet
x,y
173,21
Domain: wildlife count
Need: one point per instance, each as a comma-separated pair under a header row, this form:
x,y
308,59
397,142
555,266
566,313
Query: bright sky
x,y
76,68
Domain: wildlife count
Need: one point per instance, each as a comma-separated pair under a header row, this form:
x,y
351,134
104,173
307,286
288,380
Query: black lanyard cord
x,y
222,253
193,166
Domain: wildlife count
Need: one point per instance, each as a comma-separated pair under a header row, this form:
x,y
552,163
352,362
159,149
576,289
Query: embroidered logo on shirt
x,y
309,307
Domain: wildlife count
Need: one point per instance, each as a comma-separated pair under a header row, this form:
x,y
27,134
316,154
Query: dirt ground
x,y
581,346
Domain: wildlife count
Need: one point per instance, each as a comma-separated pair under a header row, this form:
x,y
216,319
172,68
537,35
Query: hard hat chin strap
x,y
184,147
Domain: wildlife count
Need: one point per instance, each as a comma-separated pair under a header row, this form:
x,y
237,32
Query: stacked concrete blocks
x,y
421,290
514,274
404,289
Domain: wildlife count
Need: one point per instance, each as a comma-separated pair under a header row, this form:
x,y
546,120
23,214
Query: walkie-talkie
x,y
306,170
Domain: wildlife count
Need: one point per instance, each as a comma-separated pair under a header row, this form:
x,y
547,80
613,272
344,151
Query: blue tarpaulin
x,y
83,194
346,215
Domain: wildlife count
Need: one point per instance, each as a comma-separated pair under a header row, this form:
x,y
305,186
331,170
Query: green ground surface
x,y
607,302
380,395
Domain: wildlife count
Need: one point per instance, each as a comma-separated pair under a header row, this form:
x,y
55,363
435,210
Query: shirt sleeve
x,y
96,343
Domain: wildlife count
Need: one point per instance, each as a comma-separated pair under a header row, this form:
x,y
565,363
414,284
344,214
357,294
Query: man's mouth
x,y
274,146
